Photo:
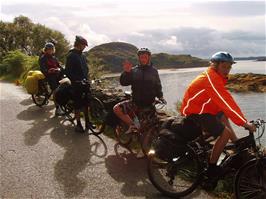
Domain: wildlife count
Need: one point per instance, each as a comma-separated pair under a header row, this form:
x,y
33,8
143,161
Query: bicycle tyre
x,y
39,99
146,140
68,111
191,178
250,180
97,115
122,138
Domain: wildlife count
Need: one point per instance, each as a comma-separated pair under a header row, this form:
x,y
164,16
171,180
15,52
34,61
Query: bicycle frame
x,y
148,124
201,148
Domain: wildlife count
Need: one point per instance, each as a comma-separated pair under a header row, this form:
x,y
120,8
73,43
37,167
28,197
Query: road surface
x,y
42,157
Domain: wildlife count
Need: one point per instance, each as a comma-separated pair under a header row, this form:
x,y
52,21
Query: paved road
x,y
41,157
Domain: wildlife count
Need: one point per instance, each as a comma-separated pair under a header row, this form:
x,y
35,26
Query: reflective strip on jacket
x,y
207,94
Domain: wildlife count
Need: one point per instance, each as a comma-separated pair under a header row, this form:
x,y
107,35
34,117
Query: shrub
x,y
13,64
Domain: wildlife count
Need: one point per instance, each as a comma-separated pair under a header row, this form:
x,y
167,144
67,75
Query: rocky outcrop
x,y
245,82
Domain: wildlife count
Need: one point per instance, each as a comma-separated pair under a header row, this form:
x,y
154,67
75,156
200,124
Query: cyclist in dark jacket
x,y
50,67
77,71
145,84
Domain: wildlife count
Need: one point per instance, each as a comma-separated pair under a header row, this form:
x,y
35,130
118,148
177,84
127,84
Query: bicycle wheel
x,y
69,111
250,180
177,177
97,115
40,99
147,138
122,137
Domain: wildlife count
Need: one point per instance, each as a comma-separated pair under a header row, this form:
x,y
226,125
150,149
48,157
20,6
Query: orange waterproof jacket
x,y
207,94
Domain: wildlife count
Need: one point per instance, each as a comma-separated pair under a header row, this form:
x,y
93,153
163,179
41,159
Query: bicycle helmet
x,y
81,40
48,45
144,50
222,57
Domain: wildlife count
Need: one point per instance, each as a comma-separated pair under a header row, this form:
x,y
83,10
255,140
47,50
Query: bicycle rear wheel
x,y
250,181
177,177
97,115
40,99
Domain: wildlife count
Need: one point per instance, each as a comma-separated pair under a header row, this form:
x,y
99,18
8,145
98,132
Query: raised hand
x,y
127,66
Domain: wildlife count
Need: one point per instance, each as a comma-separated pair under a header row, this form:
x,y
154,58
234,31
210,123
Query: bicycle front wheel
x,y
147,138
177,177
97,115
250,181
122,136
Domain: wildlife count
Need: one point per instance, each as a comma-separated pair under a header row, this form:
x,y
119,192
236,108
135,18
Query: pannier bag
x,y
63,93
175,134
31,82
168,145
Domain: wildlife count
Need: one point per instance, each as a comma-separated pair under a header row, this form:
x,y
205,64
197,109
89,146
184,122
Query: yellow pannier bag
x,y
38,74
31,82
31,85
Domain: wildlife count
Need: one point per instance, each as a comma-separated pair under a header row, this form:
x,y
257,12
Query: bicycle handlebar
x,y
160,103
258,122
260,125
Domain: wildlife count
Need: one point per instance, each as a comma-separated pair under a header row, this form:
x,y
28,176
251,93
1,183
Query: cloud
x,y
192,27
230,8
201,42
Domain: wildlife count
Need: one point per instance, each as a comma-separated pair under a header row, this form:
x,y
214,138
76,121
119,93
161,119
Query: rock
x,y
247,82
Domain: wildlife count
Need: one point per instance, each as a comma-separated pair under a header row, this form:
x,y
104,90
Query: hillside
x,y
111,56
164,60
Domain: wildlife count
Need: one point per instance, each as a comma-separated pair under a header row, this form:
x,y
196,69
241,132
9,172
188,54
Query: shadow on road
x,y
82,151
41,121
133,174
26,102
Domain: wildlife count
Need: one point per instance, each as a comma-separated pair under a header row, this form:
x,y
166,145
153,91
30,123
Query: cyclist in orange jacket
x,y
207,101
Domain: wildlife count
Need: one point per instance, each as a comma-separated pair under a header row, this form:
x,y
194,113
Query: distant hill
x,y
164,60
111,56
259,58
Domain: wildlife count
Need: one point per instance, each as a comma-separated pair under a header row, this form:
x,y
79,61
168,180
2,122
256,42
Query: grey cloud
x,y
230,8
201,42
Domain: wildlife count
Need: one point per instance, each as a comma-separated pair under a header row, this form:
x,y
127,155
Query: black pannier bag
x,y
175,134
169,145
63,94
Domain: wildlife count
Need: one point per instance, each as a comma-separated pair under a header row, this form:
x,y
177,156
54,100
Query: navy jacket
x,y
76,66
145,84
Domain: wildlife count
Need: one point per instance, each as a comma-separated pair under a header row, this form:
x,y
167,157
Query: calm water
x,y
253,105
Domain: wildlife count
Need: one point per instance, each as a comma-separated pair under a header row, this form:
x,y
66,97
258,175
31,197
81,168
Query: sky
x,y
199,28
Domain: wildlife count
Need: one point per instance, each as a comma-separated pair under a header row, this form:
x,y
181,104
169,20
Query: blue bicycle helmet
x,y
222,57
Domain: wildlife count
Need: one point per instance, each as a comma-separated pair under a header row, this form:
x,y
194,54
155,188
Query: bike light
x,y
151,152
